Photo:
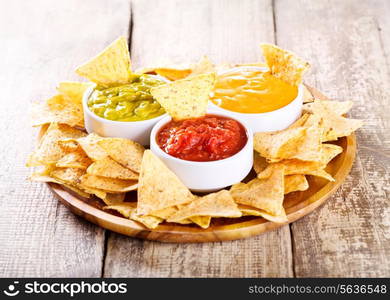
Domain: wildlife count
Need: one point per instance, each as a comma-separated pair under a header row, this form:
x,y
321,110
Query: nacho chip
x,y
266,194
49,151
186,98
279,144
259,162
90,146
321,173
294,183
106,184
128,210
107,167
69,176
307,95
75,159
43,174
114,199
338,107
220,204
69,145
73,91
159,187
110,67
252,211
57,110
284,64
164,213
77,190
203,66
202,221
334,126
126,152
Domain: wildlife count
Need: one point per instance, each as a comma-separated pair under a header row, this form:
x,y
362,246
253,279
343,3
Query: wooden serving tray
x,y
296,204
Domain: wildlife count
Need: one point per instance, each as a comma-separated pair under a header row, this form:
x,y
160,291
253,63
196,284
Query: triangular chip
x,y
128,210
186,98
321,173
126,152
333,125
57,110
307,95
259,162
75,159
252,211
69,176
110,67
111,185
159,187
107,167
90,146
266,194
73,91
284,64
203,66
294,183
164,213
49,151
202,221
338,107
220,204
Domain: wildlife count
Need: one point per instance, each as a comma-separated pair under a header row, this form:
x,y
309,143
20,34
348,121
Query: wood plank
x,y
350,235
183,31
42,43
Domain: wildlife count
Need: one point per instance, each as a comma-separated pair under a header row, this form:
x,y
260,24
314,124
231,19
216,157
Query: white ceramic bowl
x,y
138,131
270,121
211,175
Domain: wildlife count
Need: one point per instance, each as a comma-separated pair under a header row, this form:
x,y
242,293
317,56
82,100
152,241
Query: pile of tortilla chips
x,y
107,168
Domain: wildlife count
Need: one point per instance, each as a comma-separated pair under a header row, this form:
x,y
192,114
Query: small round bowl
x,y
208,176
269,121
138,131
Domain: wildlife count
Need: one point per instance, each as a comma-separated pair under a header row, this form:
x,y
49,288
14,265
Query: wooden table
x,y
348,44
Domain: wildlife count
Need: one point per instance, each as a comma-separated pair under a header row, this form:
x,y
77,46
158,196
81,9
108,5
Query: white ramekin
x,y
211,175
270,121
138,131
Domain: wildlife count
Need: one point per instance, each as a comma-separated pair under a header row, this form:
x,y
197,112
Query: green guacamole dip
x,y
129,102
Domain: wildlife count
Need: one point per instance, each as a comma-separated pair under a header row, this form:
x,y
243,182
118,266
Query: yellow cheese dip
x,y
251,90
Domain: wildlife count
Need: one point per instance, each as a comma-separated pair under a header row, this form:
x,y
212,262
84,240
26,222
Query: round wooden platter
x,y
296,204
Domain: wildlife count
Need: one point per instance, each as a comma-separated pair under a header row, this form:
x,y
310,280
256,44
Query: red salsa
x,y
207,138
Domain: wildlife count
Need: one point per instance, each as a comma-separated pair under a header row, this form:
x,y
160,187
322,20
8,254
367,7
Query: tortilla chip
x,y
307,95
69,145
75,159
164,213
110,67
69,176
284,64
266,194
128,210
107,167
77,190
49,151
203,66
159,187
252,211
279,144
202,221
73,91
186,98
91,147
113,199
321,173
338,107
334,126
294,183
220,204
126,152
57,110
259,162
106,184
43,174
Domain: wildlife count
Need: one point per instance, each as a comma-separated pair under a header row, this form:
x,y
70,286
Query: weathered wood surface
x,y
41,44
348,44
350,234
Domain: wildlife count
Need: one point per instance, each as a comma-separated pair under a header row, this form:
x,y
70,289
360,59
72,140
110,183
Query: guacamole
x,y
127,103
